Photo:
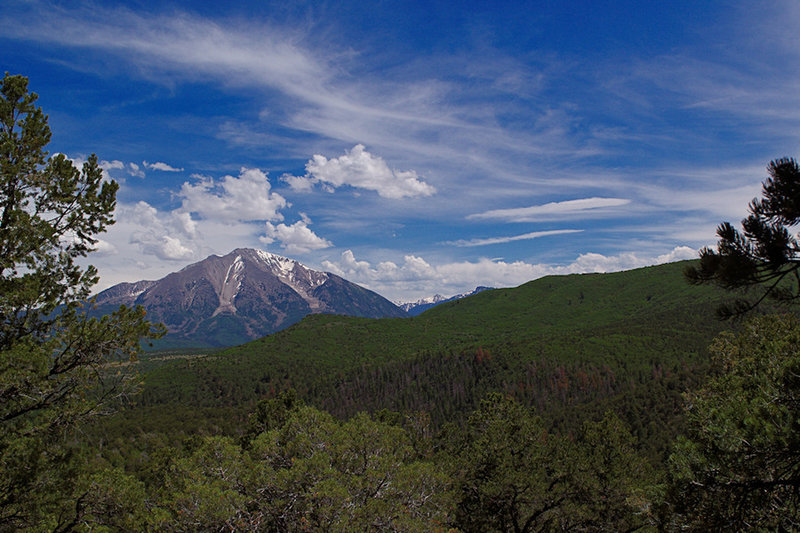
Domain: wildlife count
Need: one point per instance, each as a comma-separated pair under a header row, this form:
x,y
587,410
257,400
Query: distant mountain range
x,y
244,295
573,347
422,305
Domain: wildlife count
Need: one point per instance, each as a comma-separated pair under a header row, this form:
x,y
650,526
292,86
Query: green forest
x,y
594,402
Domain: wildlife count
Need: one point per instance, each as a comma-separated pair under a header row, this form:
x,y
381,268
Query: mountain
x,y
571,346
222,301
422,305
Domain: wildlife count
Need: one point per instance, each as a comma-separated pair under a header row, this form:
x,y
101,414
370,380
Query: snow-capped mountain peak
x,y
243,295
435,299
423,304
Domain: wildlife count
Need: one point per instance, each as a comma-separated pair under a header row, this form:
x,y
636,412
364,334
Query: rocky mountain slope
x,y
246,294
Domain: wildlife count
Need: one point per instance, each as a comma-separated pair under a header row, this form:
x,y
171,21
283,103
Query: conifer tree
x,y
765,256
738,466
53,357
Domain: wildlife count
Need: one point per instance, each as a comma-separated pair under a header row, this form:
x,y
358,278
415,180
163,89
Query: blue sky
x,y
416,147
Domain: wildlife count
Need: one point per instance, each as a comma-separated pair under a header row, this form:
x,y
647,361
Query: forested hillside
x,y
568,346
511,410
597,402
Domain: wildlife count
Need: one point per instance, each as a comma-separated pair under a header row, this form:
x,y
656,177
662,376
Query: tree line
x,y
295,467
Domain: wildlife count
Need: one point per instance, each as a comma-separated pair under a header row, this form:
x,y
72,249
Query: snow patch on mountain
x,y
230,287
280,266
430,300
423,304
253,292
299,277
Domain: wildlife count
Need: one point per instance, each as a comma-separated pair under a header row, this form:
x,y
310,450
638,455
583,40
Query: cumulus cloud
x,y
295,239
299,183
163,167
360,169
156,233
169,248
185,223
501,240
213,216
567,209
134,170
412,269
110,165
415,277
679,253
243,198
593,262
103,247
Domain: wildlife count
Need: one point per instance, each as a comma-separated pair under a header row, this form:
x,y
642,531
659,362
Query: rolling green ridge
x,y
568,345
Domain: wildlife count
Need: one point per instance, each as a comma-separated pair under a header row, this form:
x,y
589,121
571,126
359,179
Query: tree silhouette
x,y
764,257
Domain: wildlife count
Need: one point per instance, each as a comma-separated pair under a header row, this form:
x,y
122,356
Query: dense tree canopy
x,y
765,255
53,358
512,475
738,467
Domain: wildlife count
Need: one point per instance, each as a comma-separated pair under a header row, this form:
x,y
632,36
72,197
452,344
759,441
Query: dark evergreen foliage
x,y
738,466
544,408
765,256
53,358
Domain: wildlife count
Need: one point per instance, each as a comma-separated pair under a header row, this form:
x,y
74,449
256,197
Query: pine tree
x,y
765,256
53,357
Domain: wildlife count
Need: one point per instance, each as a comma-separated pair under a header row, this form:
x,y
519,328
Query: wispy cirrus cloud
x,y
565,209
513,238
647,136
330,91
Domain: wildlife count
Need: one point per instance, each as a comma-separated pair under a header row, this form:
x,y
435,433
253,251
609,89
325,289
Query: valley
x,y
563,357
569,346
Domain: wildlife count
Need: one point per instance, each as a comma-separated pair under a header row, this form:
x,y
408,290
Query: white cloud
x,y
243,198
413,269
679,253
360,169
724,203
593,262
186,223
501,240
103,247
163,167
416,278
169,248
156,233
214,216
348,264
134,170
567,209
295,239
109,165
299,183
